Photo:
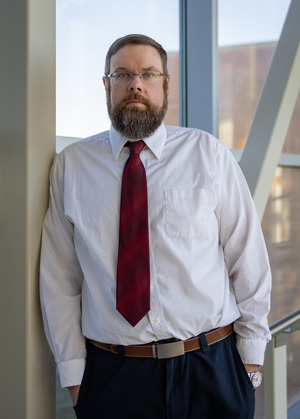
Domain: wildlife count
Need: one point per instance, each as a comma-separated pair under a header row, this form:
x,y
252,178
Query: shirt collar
x,y
155,142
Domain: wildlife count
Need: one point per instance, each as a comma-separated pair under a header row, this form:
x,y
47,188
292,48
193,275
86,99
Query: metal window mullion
x,y
199,64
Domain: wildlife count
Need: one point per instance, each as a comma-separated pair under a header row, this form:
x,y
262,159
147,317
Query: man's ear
x,y
106,83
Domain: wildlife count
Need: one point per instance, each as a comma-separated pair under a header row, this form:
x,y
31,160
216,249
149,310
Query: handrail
x,y
286,324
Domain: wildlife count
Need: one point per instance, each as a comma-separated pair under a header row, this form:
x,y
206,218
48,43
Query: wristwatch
x,y
255,378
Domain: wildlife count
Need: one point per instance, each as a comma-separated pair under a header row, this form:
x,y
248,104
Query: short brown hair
x,y
135,39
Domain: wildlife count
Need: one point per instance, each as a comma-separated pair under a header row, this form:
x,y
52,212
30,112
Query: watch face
x,y
256,379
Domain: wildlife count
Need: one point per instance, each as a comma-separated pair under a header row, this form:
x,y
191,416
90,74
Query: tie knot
x,y
136,147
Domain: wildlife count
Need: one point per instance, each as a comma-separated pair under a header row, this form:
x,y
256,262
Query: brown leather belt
x,y
167,350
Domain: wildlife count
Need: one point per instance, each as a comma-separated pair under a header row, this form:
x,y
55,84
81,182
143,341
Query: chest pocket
x,y
188,212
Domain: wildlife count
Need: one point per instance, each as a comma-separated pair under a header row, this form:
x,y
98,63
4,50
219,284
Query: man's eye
x,y
148,75
123,76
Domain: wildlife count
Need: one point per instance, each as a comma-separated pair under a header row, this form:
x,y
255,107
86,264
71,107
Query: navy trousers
x,y
209,383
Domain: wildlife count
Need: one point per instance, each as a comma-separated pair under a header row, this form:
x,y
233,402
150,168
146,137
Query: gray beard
x,y
134,123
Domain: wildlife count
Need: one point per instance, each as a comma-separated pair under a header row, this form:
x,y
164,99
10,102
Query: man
x,y
148,260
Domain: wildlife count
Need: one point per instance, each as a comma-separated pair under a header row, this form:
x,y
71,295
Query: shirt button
x,y
151,288
157,320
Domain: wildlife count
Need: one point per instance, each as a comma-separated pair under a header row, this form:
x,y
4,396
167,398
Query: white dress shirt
x,y
208,262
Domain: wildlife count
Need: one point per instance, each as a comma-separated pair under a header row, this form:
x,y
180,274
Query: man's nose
x,y
135,84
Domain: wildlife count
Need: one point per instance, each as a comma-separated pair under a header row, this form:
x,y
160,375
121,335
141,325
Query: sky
x,y
86,29
251,21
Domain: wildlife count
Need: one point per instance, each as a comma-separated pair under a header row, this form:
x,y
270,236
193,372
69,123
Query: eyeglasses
x,y
126,77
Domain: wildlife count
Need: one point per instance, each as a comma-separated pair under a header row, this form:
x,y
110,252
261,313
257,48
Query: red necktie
x,y
133,271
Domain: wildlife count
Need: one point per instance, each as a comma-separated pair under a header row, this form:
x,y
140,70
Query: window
x,y
248,34
85,30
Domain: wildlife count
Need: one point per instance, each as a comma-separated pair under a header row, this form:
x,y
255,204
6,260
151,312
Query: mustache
x,y
134,96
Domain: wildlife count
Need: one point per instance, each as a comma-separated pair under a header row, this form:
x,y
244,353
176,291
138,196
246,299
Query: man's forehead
x,y
136,55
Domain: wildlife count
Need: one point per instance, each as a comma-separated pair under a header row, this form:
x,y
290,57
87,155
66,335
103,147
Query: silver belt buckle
x,y
169,350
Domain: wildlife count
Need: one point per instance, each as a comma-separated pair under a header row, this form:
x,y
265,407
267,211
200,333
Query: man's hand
x,y
251,367
74,391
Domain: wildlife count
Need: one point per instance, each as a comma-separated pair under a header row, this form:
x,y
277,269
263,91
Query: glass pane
x,y
85,30
248,34
281,226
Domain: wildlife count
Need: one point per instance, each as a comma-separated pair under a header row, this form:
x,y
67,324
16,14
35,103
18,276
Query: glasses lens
x,y
122,77
149,76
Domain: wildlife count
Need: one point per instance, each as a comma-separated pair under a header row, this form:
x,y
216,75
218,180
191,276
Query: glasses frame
x,y
113,75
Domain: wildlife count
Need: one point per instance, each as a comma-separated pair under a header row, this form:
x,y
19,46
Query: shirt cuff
x,y
71,372
252,351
